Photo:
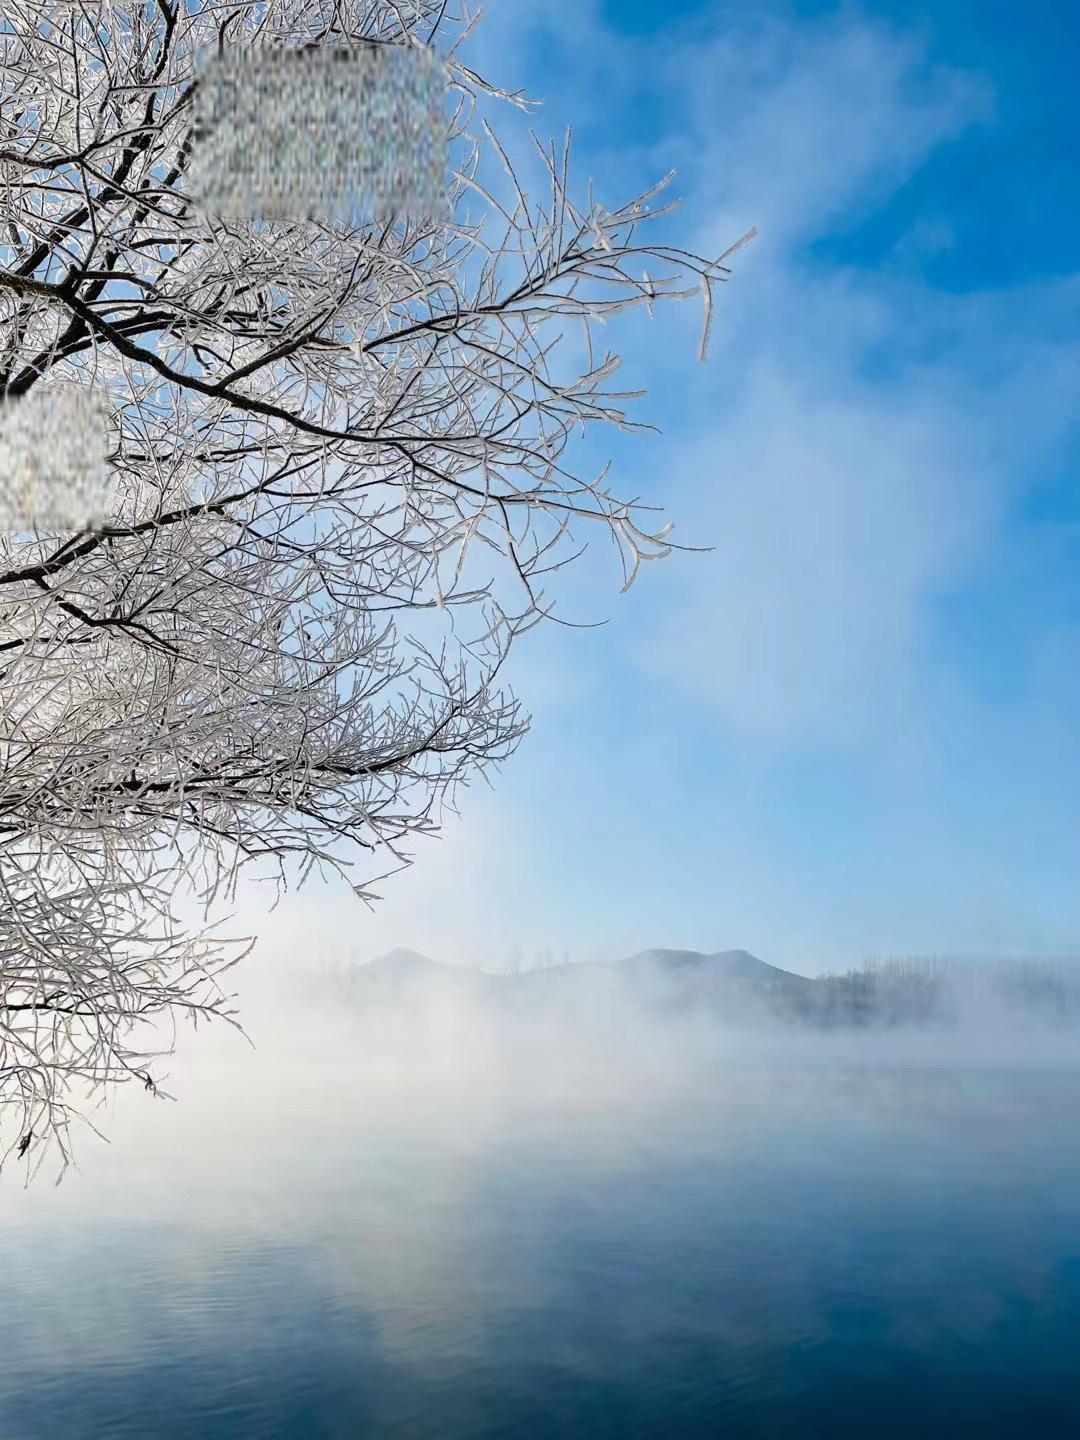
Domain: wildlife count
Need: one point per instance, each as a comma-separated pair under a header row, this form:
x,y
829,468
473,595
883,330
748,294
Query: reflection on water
x,y
457,1236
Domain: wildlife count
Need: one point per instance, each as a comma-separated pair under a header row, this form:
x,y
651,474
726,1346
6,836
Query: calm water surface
x,y
800,1249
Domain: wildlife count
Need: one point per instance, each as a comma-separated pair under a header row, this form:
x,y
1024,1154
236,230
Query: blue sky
x,y
851,727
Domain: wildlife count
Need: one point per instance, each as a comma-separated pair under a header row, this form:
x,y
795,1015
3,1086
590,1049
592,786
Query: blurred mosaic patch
x,y
354,133
53,450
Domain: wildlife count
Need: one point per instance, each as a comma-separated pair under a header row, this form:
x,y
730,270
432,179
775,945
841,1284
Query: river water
x,y
459,1237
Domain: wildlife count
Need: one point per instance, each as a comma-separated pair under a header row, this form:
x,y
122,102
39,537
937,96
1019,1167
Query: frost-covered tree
x,y
338,486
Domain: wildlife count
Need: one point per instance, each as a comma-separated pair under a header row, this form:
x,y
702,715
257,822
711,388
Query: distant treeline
x,y
923,988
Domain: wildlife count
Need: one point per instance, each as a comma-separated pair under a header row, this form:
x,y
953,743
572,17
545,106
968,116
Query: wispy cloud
x,y
857,468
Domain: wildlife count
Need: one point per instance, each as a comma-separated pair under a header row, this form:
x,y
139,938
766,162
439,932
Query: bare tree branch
x,y
338,481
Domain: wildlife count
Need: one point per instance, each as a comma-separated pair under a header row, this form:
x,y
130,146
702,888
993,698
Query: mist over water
x,y
437,1219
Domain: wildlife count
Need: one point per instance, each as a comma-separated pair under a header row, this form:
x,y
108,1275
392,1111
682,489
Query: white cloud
x,y
806,123
836,519
852,473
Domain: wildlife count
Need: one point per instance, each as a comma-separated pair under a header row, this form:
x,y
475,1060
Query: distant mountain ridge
x,y
730,983
726,984
404,965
